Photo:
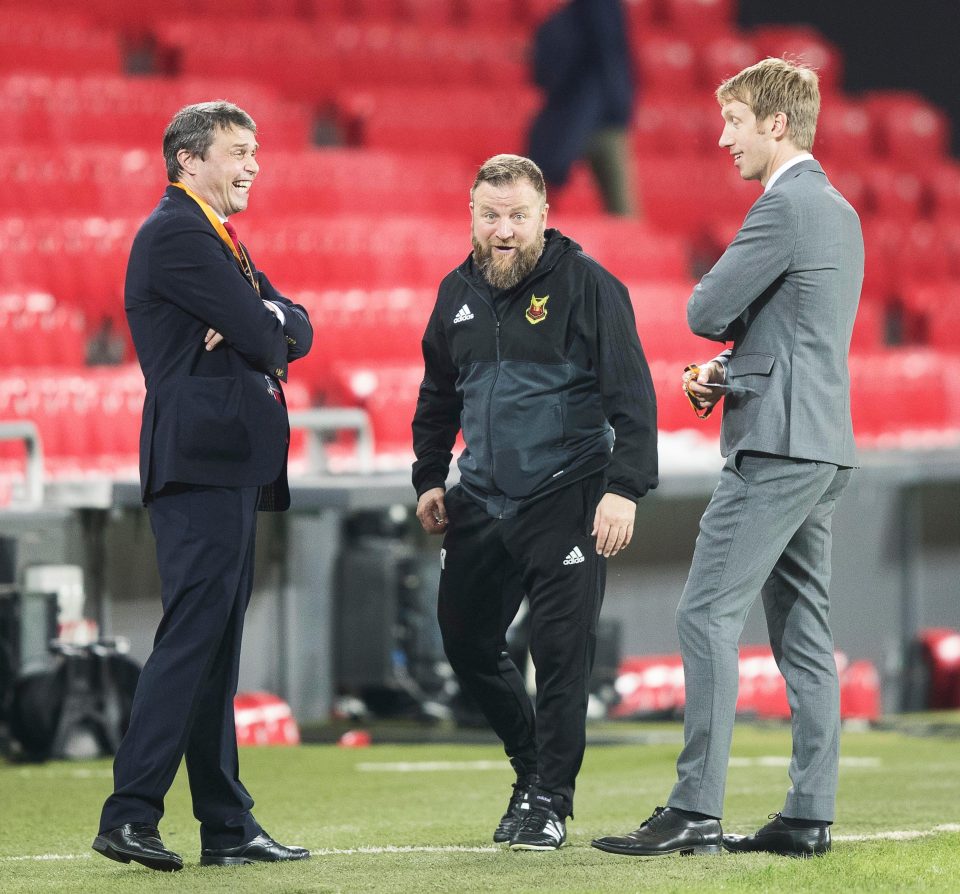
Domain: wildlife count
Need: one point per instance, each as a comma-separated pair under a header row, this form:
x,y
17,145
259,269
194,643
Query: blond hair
x,y
501,170
777,85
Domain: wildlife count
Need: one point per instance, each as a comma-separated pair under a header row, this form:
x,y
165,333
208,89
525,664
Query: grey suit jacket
x,y
786,292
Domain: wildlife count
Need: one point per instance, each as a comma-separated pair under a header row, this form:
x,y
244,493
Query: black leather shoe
x,y
666,832
139,842
262,849
776,837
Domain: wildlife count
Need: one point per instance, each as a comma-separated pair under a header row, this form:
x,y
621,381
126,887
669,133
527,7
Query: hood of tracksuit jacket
x,y
531,427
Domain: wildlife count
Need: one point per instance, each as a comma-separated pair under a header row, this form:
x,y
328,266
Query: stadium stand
x,y
363,230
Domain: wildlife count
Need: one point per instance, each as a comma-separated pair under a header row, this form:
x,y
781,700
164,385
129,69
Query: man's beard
x,y
506,276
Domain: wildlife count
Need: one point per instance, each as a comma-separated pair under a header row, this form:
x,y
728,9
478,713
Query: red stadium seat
x,y
440,120
805,44
666,64
940,303
911,410
677,126
631,250
907,128
844,131
697,18
661,313
943,189
379,326
723,55
868,328
895,191
688,196
133,112
55,43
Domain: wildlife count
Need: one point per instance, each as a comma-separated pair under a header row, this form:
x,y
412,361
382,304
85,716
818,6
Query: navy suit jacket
x,y
210,417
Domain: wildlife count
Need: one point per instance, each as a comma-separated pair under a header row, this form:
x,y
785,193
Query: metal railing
x,y
332,420
26,431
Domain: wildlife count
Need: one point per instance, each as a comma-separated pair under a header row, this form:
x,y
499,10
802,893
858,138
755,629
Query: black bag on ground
x,y
78,708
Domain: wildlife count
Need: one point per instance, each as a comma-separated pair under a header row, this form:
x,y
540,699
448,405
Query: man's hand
x,y
699,387
613,524
212,339
431,511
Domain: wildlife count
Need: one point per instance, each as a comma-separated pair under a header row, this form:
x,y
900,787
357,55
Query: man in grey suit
x,y
785,293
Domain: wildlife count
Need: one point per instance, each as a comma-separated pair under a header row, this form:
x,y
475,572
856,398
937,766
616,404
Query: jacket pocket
x,y
209,422
750,365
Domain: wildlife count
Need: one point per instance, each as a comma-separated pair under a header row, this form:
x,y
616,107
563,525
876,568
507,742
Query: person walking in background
x,y
214,339
532,352
785,293
581,61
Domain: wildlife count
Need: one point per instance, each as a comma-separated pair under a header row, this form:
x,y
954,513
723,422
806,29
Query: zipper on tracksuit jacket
x,y
493,387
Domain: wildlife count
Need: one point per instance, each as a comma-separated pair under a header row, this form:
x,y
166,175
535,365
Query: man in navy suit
x,y
214,339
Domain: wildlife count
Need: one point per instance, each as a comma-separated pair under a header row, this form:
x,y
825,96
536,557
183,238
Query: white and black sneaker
x,y
541,828
510,821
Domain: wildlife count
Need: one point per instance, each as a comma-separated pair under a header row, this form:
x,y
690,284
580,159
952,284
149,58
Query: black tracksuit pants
x,y
546,553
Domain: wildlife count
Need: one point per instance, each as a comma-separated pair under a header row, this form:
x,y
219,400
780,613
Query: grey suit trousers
x,y
767,528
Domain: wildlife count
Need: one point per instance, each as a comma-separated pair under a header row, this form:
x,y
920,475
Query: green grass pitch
x,y
412,818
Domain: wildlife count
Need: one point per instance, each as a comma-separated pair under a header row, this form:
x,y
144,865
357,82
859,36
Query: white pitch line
x,y
59,773
406,849
429,766
443,766
780,761
41,858
903,835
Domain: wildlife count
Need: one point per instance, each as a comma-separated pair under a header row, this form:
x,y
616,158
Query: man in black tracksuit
x,y
532,352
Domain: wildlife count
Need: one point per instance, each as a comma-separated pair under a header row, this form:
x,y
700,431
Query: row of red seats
x,y
677,193
493,15
675,63
903,254
88,419
474,122
112,109
896,127
111,180
908,412
57,43
330,55
83,260
55,336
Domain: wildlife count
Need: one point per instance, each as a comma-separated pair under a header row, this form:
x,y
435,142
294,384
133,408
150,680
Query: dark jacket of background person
x,y
581,59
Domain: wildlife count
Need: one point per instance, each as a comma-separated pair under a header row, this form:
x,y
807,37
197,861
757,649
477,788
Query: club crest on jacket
x,y
537,311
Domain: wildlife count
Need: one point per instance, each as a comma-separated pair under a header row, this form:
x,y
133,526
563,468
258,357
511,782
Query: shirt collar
x,y
803,156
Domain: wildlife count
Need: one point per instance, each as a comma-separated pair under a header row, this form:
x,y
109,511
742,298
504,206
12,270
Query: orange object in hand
x,y
702,412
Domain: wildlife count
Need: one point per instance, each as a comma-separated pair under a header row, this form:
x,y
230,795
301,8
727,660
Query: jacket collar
x,y
808,164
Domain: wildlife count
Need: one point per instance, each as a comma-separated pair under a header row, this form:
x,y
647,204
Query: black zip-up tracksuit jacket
x,y
538,378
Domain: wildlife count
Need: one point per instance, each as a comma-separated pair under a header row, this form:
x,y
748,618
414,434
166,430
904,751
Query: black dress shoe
x,y
666,832
139,842
776,837
262,849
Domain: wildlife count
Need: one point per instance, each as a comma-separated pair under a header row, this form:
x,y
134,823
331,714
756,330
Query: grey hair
x,y
194,129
